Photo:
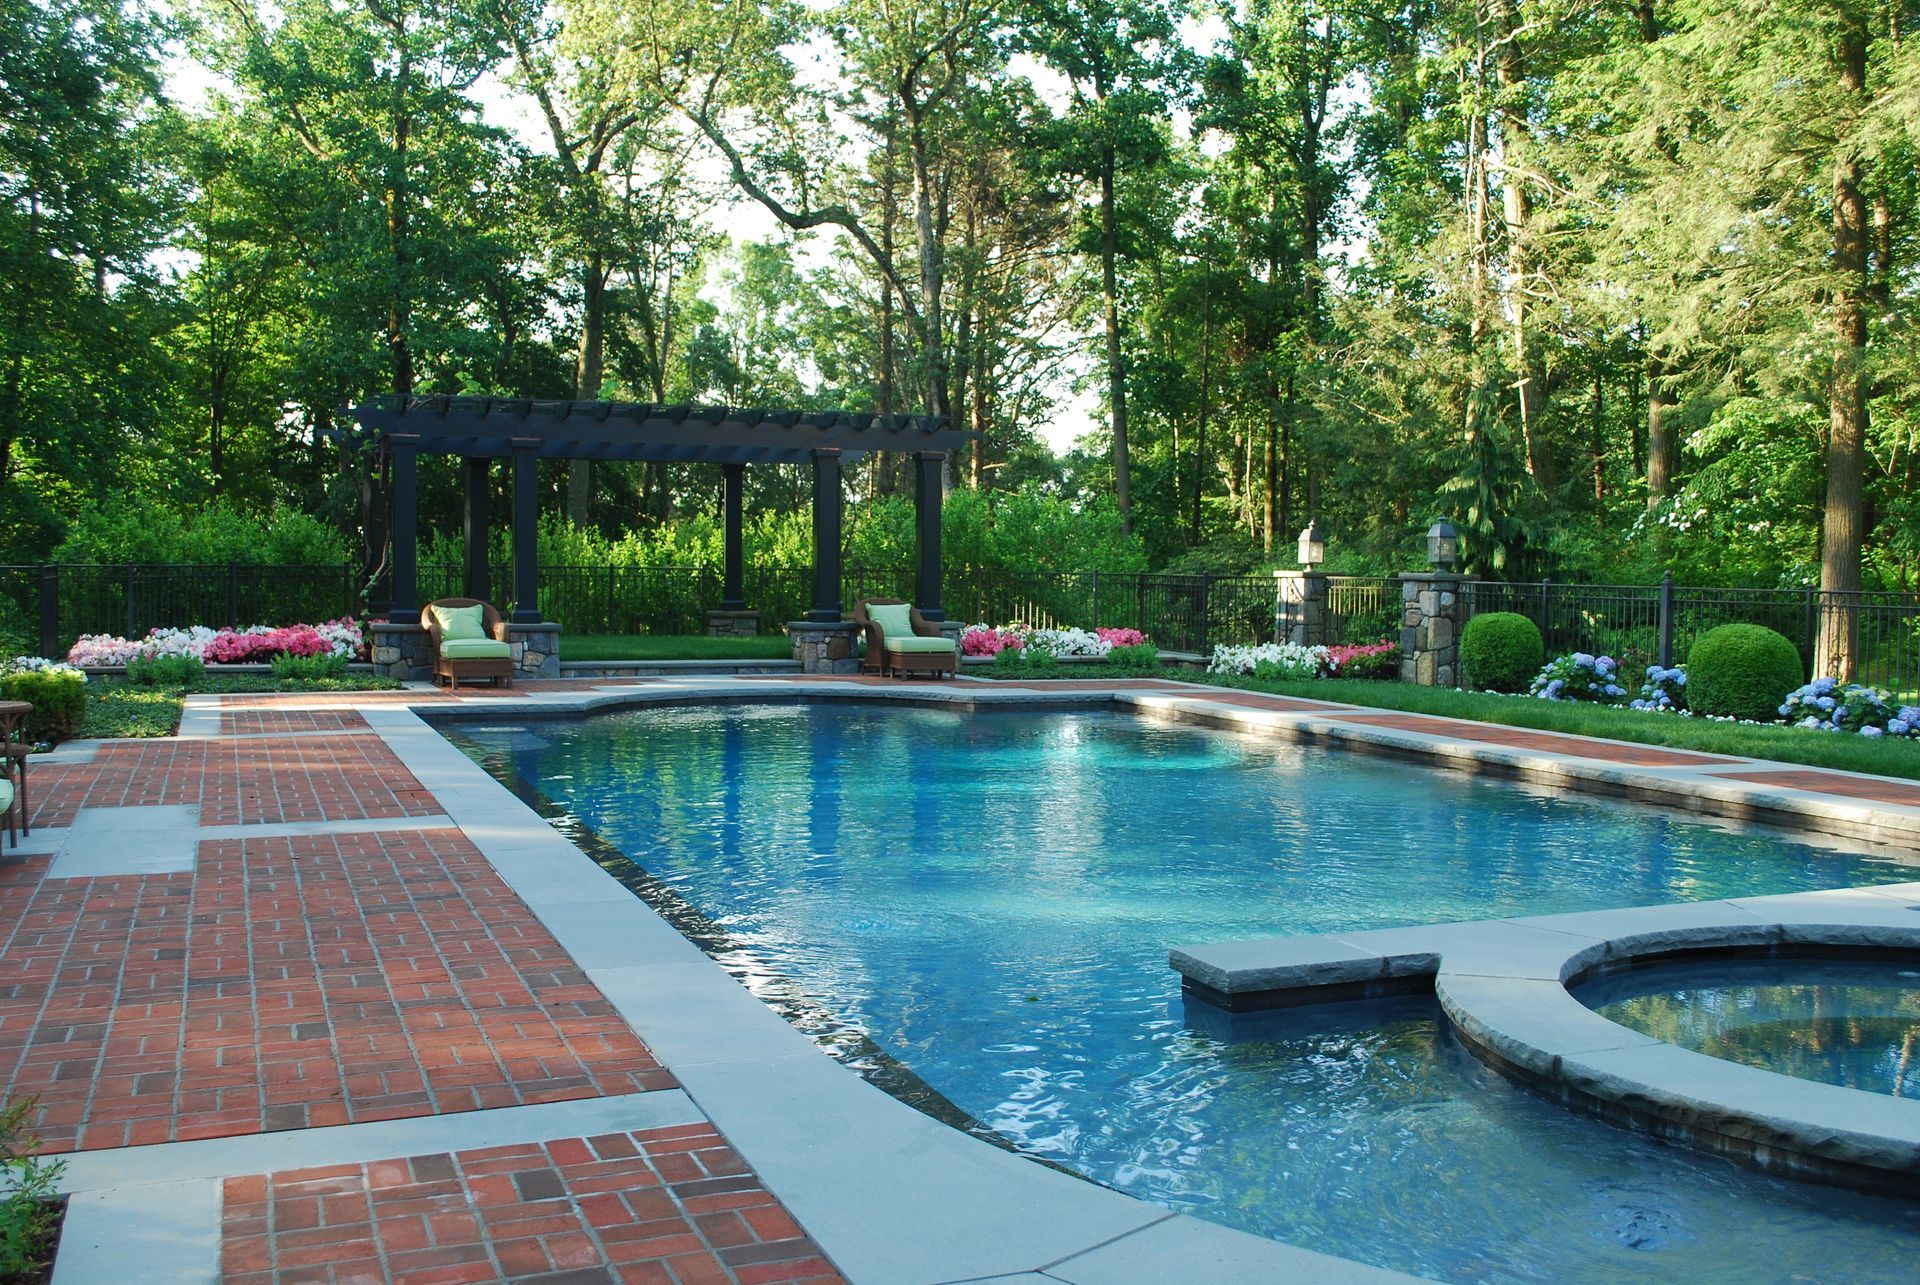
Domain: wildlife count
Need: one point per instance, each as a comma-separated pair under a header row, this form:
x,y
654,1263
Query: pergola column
x,y
928,491
733,592
405,498
479,480
526,534
826,536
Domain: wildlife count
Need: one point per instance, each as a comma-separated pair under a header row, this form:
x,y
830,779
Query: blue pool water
x,y
1851,1022
990,898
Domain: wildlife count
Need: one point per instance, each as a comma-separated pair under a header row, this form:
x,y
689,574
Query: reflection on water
x,y
1855,1023
989,900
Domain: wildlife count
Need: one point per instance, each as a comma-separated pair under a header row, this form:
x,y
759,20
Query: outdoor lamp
x,y
1443,545
1313,545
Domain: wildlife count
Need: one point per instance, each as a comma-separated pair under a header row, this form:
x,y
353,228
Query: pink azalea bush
x,y
255,644
1122,637
1362,660
985,640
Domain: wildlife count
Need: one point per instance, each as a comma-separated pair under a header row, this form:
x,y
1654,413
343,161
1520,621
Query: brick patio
x,y
666,1205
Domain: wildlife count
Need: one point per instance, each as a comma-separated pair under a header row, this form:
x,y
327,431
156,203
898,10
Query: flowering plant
x,y
1362,660
1579,677
1121,637
1664,691
985,640
1069,642
1269,660
1828,706
341,637
41,665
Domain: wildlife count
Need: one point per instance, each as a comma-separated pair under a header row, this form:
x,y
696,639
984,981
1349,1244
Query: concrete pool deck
x,y
304,988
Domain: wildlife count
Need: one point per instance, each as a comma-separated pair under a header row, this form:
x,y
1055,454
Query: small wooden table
x,y
14,749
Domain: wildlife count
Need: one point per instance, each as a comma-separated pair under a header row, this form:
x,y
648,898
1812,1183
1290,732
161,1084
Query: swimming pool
x,y
989,899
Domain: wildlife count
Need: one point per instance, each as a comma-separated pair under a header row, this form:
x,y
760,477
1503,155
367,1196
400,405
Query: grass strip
x,y
672,647
1883,756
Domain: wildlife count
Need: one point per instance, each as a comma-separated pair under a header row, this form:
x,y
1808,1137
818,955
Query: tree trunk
x,y
1660,452
1843,519
927,237
1517,208
400,308
1116,374
1206,390
589,370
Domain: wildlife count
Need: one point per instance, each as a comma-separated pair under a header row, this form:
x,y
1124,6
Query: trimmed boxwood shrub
x,y
1742,671
58,697
1500,651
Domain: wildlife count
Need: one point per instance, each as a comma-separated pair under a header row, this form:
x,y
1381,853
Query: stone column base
x,y
1432,607
399,650
824,648
536,649
722,623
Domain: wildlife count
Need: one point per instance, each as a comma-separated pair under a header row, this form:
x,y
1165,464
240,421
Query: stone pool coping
x,y
1503,984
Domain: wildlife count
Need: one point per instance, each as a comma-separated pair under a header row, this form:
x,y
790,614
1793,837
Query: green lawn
x,y
672,647
1884,756
116,708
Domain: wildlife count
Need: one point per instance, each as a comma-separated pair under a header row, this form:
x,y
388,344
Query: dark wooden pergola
x,y
483,429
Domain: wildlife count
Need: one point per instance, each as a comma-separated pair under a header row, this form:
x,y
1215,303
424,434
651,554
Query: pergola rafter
x,y
482,429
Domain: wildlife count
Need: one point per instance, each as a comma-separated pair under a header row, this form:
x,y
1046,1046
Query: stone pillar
x,y
722,623
399,649
1433,604
1300,609
536,649
824,647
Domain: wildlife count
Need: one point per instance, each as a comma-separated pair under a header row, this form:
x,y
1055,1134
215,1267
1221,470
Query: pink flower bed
x,y
984,640
342,637
1362,660
1122,637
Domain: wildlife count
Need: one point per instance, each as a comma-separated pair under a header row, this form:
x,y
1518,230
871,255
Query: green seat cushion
x,y
474,649
6,795
457,623
895,620
918,645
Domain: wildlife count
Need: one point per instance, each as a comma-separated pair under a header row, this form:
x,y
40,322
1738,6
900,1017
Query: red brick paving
x,y
1832,783
256,722
1548,742
238,782
665,1205
292,983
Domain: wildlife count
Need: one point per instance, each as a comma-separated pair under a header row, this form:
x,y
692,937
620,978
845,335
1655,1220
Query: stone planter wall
x,y
824,648
733,624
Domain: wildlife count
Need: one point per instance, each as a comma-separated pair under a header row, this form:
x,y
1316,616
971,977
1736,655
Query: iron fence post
x,y
1206,613
1812,623
129,596
233,595
49,609
611,627
1096,599
1666,621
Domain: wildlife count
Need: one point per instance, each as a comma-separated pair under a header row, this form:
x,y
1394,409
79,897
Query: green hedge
x,y
59,701
1500,651
1742,671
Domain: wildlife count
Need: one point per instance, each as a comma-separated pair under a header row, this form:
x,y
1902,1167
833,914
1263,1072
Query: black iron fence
x,y
1639,624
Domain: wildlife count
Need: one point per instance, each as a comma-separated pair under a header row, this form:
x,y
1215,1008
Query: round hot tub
x,y
1847,1020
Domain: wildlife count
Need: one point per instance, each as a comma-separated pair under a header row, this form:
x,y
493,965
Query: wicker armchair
x,y
469,658
925,651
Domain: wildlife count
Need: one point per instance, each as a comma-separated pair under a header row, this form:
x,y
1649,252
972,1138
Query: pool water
x,y
1851,1022
990,898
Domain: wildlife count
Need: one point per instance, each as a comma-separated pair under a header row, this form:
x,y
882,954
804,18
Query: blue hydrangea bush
x,y
1664,691
1579,677
1828,705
